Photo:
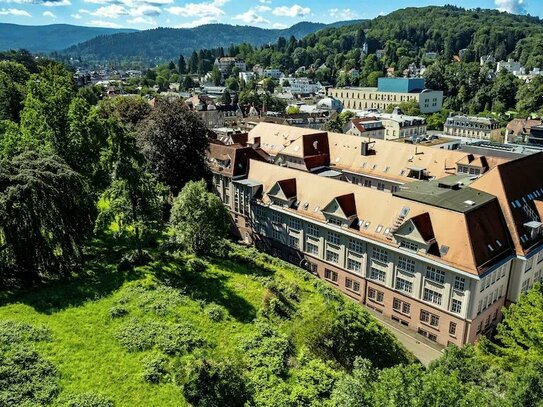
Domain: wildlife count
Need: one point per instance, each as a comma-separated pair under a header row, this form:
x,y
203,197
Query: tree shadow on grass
x,y
203,286
98,279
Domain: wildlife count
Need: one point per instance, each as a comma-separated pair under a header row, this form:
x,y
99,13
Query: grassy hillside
x,y
47,38
105,326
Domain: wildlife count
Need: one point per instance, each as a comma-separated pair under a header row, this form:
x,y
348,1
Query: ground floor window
x,y
330,275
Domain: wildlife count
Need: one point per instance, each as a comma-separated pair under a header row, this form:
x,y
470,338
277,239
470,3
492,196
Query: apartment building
x,y
398,125
484,128
390,91
441,255
224,63
365,127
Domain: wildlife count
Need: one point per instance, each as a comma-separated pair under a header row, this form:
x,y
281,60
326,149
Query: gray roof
x,y
461,200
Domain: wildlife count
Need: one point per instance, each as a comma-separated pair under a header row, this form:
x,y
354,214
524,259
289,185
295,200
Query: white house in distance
x,y
224,63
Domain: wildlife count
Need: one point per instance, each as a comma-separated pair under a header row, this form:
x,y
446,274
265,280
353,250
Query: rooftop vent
x,y
469,202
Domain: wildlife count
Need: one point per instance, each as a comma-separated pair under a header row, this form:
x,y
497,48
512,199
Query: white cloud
x,y
56,3
142,20
196,10
511,6
261,9
144,10
294,11
76,16
250,17
102,23
279,25
14,12
342,14
198,22
111,11
49,14
265,1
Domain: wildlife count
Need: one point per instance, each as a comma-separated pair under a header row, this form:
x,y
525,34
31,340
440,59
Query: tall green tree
x,y
199,219
174,141
46,215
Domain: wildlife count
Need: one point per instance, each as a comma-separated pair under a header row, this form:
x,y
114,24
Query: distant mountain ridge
x,y
49,38
162,44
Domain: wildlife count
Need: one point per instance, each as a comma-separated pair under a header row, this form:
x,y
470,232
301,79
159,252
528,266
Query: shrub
x,y
26,378
195,265
133,259
215,312
276,306
89,399
13,332
135,335
154,369
177,339
117,311
216,384
268,349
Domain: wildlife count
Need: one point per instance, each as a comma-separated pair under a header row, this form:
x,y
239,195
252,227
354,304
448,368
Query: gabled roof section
x,y
418,228
237,155
284,189
343,206
474,161
518,185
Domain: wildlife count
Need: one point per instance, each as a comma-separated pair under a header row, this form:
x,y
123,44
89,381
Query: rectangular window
x,y
401,306
379,254
406,264
380,186
456,306
525,286
295,224
371,293
356,286
435,275
452,329
378,275
459,283
312,230
380,297
311,248
333,238
276,217
277,235
330,275
429,318
354,265
409,245
356,246
332,257
352,285
335,221
432,296
294,242
404,285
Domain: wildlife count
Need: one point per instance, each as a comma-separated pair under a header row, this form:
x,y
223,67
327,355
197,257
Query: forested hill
x,y
162,44
47,38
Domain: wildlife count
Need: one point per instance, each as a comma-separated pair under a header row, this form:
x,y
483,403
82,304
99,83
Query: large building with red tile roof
x,y
436,240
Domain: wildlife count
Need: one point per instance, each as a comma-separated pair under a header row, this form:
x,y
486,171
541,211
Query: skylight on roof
x,y
490,247
404,211
387,168
360,222
337,159
522,239
366,225
518,203
374,166
402,172
306,205
444,250
316,209
379,228
499,243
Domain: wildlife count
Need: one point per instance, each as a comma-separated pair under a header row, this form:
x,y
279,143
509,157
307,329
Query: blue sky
x,y
143,14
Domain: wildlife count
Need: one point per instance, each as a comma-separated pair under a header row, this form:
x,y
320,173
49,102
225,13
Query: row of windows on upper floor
x,y
333,242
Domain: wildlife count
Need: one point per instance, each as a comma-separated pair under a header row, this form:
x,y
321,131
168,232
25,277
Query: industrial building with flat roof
x,y
437,240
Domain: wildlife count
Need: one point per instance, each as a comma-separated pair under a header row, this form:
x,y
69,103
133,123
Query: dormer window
x,y
406,244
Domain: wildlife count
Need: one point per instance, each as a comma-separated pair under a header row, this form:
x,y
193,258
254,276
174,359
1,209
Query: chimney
x,y
364,148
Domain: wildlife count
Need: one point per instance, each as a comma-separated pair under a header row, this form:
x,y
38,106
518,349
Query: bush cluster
x,y
174,339
154,369
215,312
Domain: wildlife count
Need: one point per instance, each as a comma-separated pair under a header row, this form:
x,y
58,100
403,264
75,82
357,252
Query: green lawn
x,y
87,353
